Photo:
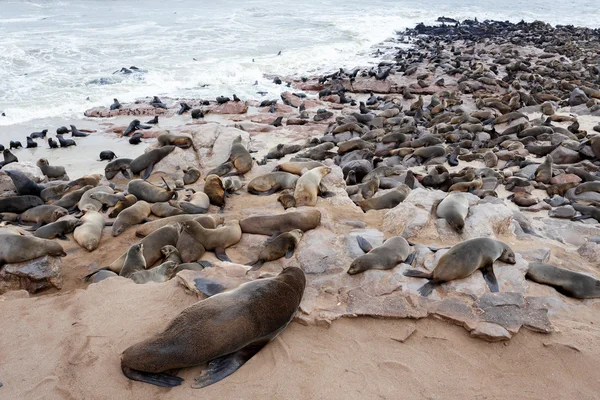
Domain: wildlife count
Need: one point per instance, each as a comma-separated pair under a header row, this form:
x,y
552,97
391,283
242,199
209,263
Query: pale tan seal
x,y
248,318
454,209
213,187
240,157
296,167
284,222
159,274
272,182
57,229
136,214
182,141
465,258
309,185
166,209
282,245
121,205
87,203
89,233
392,252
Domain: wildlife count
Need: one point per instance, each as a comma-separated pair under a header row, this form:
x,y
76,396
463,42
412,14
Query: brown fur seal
x,y
197,203
57,229
136,214
17,248
297,167
190,249
272,182
89,233
19,204
115,166
107,199
309,185
163,210
588,187
216,240
282,245
210,331
232,184
149,192
454,209
86,203
570,283
543,173
523,199
221,169
240,157
42,215
51,171
475,184
213,187
286,198
182,141
388,200
207,221
284,222
54,192
146,161
159,274
391,253
71,199
134,260
463,259
191,175
86,180
123,204
370,187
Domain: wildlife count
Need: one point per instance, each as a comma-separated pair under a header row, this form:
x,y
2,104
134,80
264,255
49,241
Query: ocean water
x,y
57,58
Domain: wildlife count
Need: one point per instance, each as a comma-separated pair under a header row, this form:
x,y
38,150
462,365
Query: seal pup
x,y
134,260
51,171
264,308
136,214
159,274
308,186
570,283
107,199
148,192
388,200
543,173
392,252
146,161
240,157
123,204
276,247
454,209
15,145
462,260
42,215
16,248
191,175
70,199
57,229
86,202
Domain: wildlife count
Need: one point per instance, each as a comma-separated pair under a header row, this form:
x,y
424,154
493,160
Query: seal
x,y
454,209
134,260
31,143
165,209
232,184
102,275
18,248
570,283
54,192
52,143
388,200
191,175
286,198
123,204
19,204
93,180
107,199
543,173
181,141
70,199
309,185
136,214
282,150
159,274
9,157
119,165
216,240
23,184
207,221
42,215
197,203
213,187
583,187
475,184
221,169
296,167
76,132
148,192
262,307
392,252
284,222
146,161
107,155
465,258
240,157
87,203
88,234
65,142
272,182
57,229
282,245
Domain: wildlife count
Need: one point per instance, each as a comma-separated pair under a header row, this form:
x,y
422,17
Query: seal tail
x,y
163,380
415,273
427,288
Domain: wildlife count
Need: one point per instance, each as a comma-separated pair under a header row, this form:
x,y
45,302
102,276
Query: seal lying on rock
x,y
224,330
570,283
391,253
463,259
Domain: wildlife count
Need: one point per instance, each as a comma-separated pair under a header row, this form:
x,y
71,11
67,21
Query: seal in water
x,y
463,259
224,330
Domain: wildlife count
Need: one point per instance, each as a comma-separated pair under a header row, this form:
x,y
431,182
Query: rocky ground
x,y
62,337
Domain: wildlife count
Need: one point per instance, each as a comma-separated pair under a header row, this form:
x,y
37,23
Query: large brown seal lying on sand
x,y
224,330
463,259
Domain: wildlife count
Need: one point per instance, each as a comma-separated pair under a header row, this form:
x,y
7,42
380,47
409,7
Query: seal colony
x,y
470,118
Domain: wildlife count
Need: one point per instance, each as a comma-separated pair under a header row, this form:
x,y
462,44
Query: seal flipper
x,y
88,276
148,171
323,192
256,265
290,251
62,237
208,287
415,273
490,277
221,255
364,244
411,258
126,174
222,367
427,288
161,379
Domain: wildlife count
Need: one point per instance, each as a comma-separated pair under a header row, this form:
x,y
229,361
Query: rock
x,y
565,178
577,97
333,98
409,217
318,252
590,251
487,220
177,160
7,187
33,275
571,232
541,254
375,237
562,212
528,172
557,201
291,100
231,107
563,155
369,84
490,332
31,170
213,142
